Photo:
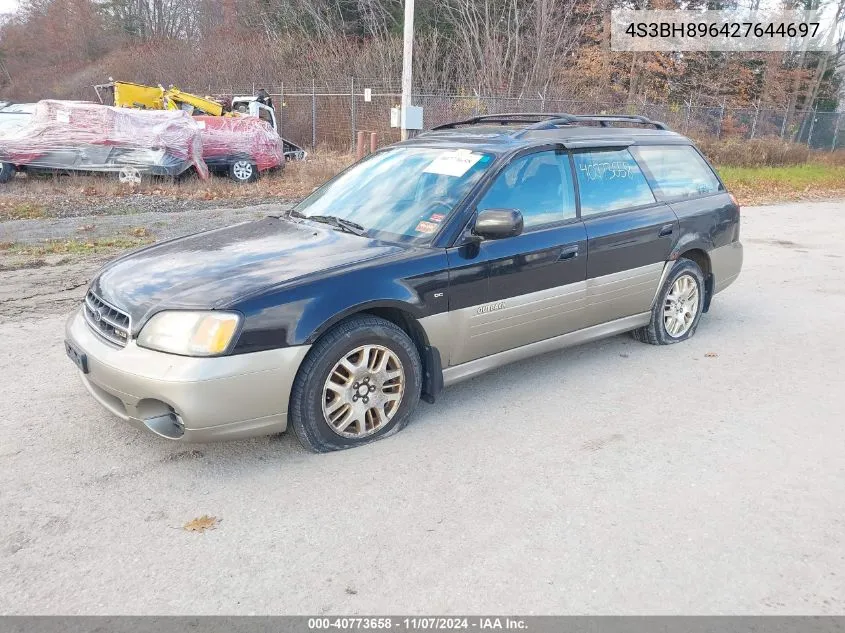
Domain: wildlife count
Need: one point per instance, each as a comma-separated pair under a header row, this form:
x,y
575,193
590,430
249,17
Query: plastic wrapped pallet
x,y
81,136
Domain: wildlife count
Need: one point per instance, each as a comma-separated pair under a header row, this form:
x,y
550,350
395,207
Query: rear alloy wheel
x,y
677,310
681,306
360,382
129,176
243,171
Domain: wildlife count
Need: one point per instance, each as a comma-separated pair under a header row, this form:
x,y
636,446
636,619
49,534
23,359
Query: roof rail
x,y
604,119
505,119
550,120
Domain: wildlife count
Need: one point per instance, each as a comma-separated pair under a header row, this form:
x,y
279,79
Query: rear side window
x,y
610,180
678,171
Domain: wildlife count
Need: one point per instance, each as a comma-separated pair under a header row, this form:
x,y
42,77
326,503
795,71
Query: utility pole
x,y
407,63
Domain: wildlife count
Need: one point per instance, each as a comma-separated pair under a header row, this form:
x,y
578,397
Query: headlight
x,y
190,333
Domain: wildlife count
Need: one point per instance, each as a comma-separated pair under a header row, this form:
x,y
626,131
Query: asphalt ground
x,y
616,477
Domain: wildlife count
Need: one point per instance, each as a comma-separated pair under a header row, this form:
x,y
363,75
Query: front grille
x,y
107,321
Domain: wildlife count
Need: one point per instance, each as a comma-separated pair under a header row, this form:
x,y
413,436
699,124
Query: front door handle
x,y
568,252
666,230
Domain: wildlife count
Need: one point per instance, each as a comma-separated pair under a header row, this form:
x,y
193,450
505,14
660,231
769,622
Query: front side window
x,y
403,194
678,171
539,185
610,180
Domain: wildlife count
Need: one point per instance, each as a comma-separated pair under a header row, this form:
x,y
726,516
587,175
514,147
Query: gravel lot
x,y
706,477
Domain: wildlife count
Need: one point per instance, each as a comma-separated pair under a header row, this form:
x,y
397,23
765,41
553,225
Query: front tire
x,y
7,172
678,307
359,383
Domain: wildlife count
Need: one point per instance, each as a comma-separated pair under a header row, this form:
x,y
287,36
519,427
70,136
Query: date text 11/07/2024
x,y
422,623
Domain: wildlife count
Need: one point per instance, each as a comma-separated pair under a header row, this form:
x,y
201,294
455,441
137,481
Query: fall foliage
x,y
559,48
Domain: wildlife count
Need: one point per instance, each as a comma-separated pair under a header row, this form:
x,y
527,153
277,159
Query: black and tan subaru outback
x,y
475,244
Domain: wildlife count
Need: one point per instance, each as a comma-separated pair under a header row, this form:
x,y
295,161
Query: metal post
x,y
313,114
812,125
721,118
836,132
756,116
407,63
282,109
360,148
352,92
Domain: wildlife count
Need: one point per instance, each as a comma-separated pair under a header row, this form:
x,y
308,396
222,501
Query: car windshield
x,y
402,194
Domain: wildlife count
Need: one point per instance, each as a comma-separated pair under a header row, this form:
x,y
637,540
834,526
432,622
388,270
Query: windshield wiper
x,y
340,223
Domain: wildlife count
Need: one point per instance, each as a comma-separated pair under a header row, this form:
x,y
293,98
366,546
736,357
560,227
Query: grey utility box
x,y
413,117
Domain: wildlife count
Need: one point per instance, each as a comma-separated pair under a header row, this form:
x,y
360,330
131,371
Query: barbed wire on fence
x,y
330,113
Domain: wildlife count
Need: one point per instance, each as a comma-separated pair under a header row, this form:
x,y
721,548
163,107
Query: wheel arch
x,y
702,259
696,247
404,317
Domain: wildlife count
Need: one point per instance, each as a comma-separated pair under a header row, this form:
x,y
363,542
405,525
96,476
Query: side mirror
x,y
495,224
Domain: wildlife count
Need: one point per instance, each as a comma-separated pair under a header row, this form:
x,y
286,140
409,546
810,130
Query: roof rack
x,y
505,118
550,120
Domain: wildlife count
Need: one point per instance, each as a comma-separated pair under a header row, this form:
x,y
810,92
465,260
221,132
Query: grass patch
x,y
21,211
78,247
760,185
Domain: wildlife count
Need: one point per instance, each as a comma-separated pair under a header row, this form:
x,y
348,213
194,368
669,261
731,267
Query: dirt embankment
x,y
46,263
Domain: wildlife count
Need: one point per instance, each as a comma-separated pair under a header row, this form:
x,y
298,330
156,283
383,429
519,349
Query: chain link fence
x,y
329,114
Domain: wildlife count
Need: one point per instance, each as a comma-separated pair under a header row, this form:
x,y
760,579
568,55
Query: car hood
x,y
215,268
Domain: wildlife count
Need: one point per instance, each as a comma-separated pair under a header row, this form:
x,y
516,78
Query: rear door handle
x,y
666,230
569,252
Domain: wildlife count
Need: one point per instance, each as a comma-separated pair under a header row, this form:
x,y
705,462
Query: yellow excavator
x,y
130,95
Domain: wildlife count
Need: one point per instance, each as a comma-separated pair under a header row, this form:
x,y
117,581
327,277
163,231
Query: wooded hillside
x,y
59,48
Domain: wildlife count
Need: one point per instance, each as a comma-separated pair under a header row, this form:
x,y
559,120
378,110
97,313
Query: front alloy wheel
x,y
359,382
363,391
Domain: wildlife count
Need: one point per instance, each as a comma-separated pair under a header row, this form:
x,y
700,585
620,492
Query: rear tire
x,y
243,170
678,308
7,172
359,383
128,175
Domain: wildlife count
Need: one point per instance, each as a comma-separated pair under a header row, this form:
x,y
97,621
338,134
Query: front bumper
x,y
189,399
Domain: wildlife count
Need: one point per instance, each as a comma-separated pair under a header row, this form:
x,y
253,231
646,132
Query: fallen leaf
x,y
711,355
201,524
140,231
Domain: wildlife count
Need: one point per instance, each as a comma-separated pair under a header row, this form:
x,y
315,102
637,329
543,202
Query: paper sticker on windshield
x,y
436,217
426,227
455,163
62,116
